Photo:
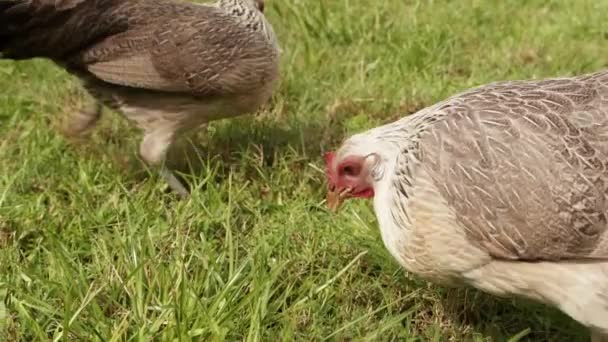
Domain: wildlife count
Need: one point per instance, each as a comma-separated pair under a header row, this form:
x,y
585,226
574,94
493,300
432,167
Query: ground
x,y
93,247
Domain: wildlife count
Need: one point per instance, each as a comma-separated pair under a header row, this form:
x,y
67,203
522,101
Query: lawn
x,y
94,248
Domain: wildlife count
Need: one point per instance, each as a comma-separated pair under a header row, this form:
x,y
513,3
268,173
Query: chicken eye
x,y
350,170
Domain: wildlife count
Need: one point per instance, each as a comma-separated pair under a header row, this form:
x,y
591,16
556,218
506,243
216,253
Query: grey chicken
x,y
503,187
167,66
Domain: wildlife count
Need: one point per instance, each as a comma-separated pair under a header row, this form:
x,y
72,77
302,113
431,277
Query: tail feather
x,y
11,14
53,29
21,24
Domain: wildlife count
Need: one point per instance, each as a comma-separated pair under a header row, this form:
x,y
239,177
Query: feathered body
x,y
503,187
168,66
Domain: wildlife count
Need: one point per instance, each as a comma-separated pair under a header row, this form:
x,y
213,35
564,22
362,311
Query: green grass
x,y
94,248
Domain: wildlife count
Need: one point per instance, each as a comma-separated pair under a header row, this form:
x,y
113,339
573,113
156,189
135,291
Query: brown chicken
x,y
167,66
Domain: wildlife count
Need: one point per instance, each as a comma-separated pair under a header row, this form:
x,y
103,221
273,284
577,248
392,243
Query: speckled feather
x,y
502,187
150,44
523,165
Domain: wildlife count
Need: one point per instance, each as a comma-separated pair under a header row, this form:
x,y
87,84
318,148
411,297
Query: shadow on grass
x,y
249,143
268,137
505,318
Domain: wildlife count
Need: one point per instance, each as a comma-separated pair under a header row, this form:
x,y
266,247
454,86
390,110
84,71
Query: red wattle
x,y
329,157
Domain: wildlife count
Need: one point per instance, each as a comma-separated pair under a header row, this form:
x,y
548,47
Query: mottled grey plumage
x,y
168,66
524,167
503,187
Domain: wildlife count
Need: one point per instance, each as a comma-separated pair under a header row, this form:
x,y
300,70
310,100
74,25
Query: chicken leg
x,y
83,119
153,149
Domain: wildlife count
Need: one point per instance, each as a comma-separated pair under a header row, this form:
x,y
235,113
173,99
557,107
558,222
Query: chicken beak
x,y
335,198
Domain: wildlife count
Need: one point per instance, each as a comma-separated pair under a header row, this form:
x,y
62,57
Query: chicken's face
x,y
347,178
354,170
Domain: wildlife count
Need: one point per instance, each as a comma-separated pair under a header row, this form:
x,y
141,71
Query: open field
x,y
93,247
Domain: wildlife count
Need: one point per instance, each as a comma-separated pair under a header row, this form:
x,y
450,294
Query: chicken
x,y
167,66
503,187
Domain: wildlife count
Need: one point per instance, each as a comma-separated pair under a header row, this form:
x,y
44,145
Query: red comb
x,y
329,162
